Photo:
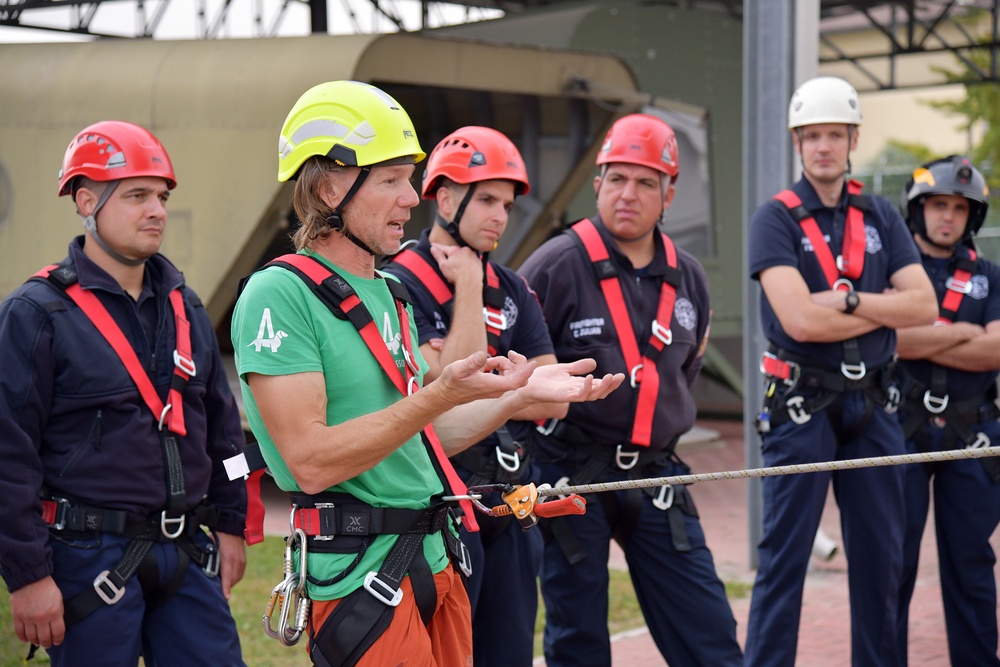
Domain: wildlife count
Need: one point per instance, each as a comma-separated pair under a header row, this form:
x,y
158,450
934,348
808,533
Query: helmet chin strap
x,y
90,226
452,227
336,219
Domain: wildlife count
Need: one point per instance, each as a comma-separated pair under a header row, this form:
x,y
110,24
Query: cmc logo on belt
x,y
355,524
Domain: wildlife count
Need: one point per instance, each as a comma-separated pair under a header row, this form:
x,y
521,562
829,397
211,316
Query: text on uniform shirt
x,y
592,326
873,242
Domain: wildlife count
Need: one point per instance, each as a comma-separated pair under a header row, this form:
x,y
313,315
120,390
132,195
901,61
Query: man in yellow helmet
x,y
329,372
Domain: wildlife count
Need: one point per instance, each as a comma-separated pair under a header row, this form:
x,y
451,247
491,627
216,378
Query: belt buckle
x,y
665,335
323,538
665,499
495,320
185,364
385,593
62,509
113,593
960,286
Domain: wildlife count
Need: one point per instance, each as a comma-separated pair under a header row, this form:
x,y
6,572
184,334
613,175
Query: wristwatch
x,y
851,301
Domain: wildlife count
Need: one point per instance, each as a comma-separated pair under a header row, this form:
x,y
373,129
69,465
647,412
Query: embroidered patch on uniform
x,y
980,287
355,524
685,314
510,311
873,242
592,326
272,339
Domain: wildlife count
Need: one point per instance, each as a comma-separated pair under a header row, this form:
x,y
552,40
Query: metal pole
x,y
780,47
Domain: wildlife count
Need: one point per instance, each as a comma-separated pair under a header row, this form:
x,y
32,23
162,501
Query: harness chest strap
x,y
493,295
850,263
170,415
340,297
648,383
956,288
848,266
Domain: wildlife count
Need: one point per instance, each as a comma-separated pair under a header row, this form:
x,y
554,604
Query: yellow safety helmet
x,y
354,124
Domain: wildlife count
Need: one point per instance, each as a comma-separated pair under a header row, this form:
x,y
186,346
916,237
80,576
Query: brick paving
x,y
824,634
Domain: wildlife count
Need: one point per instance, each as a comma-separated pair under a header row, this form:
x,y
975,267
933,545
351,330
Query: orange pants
x,y
407,642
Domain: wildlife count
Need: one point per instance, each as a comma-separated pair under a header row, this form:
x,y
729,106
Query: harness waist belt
x,y
356,519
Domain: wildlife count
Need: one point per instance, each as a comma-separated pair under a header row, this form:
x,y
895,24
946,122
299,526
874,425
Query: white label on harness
x,y
236,467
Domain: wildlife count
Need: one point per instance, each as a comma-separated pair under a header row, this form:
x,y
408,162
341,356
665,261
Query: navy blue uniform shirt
x,y
776,239
980,306
526,332
73,424
580,324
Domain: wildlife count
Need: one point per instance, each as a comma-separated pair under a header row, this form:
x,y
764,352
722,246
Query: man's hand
x,y
561,383
232,561
460,266
480,376
37,610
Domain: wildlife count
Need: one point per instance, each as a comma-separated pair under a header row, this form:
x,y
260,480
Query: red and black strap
x,y
337,294
647,383
493,295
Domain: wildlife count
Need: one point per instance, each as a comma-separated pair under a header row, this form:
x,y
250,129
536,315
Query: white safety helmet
x,y
825,99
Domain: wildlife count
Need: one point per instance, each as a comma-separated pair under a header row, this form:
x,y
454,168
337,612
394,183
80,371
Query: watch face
x,y
852,300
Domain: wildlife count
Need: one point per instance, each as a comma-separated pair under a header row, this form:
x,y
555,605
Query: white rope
x,y
774,471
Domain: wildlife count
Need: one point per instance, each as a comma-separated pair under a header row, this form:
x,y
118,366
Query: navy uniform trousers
x,y
504,604
966,512
193,627
682,599
871,517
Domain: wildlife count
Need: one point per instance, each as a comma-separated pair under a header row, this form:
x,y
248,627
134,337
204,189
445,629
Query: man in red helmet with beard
x,y
464,303
615,288
115,417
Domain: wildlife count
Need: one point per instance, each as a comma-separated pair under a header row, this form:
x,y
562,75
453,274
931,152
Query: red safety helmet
x,y
472,154
112,150
644,140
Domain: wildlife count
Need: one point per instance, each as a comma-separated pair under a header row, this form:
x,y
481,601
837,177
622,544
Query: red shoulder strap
x,y
956,288
170,415
351,304
418,265
648,384
850,263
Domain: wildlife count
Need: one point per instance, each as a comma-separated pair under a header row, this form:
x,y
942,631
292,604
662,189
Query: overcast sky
x,y
181,18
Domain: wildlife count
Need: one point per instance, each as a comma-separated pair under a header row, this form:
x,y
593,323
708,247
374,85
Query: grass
x,y
264,571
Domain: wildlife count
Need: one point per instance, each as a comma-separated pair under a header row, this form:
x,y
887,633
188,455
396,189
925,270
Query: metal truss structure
x,y
906,31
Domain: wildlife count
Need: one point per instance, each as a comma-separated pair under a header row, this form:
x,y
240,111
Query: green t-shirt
x,y
280,328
